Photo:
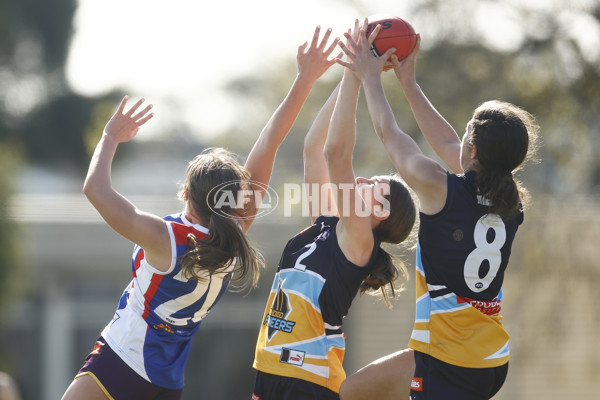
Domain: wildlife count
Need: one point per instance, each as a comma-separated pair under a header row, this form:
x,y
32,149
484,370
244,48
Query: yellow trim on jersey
x,y
97,381
327,372
464,337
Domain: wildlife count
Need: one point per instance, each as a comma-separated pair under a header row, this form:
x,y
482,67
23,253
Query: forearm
x,y
317,134
399,146
262,156
341,137
284,116
379,108
436,130
112,206
354,229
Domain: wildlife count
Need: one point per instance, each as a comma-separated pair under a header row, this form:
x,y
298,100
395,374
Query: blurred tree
x,y
41,120
544,57
9,260
12,271
37,107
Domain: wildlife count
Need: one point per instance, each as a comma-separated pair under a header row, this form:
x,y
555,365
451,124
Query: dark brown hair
x,y
394,229
227,244
505,137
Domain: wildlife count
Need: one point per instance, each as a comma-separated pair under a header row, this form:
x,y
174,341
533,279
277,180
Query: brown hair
x,y
227,244
394,229
505,137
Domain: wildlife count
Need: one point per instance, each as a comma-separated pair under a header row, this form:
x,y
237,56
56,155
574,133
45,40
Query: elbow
x,y
379,132
88,190
91,190
336,153
87,187
308,141
380,129
311,147
386,132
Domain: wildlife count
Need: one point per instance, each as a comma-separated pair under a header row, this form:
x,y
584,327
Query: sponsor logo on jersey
x,y
291,356
486,307
323,235
276,318
163,327
417,384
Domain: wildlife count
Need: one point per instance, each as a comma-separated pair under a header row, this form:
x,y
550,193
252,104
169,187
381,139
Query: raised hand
x,y
123,126
405,69
314,60
360,59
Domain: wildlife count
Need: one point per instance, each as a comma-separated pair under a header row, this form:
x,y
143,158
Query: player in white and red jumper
x,y
183,263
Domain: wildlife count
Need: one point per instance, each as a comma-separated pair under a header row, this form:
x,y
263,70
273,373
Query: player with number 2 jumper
x,y
301,344
468,221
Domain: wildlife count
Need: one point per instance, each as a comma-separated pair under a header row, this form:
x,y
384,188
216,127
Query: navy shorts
x,y
275,387
118,380
435,379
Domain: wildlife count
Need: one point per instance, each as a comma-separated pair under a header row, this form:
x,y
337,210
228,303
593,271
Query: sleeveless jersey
x,y
159,312
462,253
301,332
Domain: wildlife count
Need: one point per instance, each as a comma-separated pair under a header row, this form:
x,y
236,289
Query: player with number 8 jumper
x,y
182,264
468,221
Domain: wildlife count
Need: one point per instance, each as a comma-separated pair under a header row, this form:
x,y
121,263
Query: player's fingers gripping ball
x,y
395,32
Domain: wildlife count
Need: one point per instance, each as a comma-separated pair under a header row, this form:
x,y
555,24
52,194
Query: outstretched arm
x,y
425,176
354,230
313,61
316,177
437,131
144,229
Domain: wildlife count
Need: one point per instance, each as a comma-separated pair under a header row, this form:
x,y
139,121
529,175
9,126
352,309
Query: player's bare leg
x,y
386,378
84,387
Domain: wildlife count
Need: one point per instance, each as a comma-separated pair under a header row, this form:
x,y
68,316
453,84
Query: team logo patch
x,y
276,318
290,356
323,236
255,397
417,384
458,235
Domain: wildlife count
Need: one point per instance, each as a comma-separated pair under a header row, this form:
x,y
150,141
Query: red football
x,y
395,32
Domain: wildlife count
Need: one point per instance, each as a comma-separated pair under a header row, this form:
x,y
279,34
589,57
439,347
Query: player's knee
x,y
344,391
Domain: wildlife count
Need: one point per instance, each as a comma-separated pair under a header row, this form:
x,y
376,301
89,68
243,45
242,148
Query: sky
x,y
179,54
183,51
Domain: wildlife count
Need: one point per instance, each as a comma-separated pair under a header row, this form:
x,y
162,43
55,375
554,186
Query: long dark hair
x,y
227,244
504,136
394,229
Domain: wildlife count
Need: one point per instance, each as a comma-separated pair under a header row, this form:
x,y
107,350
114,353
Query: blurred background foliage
x,y
550,69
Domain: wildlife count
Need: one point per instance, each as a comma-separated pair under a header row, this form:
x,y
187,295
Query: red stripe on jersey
x,y
181,232
138,261
149,295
